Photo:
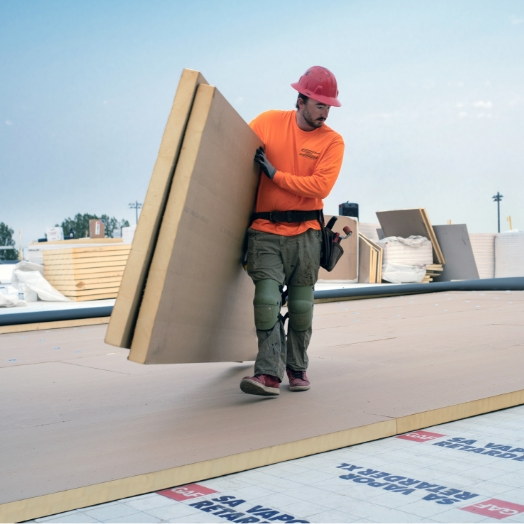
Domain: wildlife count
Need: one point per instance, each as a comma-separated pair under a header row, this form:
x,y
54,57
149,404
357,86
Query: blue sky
x,y
432,94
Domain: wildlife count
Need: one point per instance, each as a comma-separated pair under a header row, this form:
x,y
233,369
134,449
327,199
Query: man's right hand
x,y
264,164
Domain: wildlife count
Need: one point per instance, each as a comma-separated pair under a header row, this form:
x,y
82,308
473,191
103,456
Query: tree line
x,y
78,226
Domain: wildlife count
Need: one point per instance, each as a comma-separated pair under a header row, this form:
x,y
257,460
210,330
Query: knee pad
x,y
266,303
300,307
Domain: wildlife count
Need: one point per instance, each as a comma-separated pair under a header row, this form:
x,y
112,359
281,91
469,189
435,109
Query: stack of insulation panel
x,y
86,273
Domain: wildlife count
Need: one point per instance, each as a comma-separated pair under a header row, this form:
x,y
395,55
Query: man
x,y
300,161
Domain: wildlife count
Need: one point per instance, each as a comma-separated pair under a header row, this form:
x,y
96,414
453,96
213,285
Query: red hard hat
x,y
319,84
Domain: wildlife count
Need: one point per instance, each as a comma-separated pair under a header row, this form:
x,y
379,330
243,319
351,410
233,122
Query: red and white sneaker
x,y
265,385
298,380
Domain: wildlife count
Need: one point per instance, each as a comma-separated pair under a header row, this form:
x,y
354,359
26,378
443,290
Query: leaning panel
x,y
196,305
121,326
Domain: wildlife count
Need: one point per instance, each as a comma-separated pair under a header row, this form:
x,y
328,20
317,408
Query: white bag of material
x,y
9,297
29,277
402,273
414,250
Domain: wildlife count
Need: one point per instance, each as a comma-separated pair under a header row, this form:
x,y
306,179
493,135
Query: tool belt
x,y
331,250
289,216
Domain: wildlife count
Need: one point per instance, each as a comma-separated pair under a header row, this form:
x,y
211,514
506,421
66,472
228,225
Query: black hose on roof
x,y
30,317
388,290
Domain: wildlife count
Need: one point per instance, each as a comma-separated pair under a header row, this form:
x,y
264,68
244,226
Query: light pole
x,y
136,206
497,198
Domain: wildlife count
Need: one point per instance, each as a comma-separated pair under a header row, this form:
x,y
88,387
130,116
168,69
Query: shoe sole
x,y
255,388
299,388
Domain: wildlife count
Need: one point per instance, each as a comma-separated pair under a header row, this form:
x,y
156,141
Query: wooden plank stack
x,y
86,273
433,271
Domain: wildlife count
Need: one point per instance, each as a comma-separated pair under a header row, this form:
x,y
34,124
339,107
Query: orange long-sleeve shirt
x,y
307,164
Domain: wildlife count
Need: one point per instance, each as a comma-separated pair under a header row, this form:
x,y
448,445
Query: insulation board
x,y
122,323
86,273
456,246
197,302
89,426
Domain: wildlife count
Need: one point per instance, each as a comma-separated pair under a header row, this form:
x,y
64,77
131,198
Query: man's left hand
x,y
264,164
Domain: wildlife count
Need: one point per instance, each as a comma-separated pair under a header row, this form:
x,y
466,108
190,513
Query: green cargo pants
x,y
274,263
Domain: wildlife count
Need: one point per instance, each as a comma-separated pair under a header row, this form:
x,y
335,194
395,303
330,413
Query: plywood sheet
x,y
197,303
123,318
347,267
456,246
90,426
366,261
370,261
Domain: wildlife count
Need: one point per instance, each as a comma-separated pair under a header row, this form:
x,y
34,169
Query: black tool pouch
x,y
331,250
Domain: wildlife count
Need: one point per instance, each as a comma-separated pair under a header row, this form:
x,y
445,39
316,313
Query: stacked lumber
x,y
369,261
86,273
34,252
433,271
413,222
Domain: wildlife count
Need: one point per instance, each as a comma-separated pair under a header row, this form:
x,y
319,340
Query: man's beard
x,y
312,123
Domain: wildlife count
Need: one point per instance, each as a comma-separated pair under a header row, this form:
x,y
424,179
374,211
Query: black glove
x,y
264,164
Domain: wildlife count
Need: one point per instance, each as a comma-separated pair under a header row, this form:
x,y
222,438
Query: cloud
x,y
516,20
8,122
477,109
484,104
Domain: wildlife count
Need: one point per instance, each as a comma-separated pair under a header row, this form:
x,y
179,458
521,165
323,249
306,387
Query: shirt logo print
x,y
308,153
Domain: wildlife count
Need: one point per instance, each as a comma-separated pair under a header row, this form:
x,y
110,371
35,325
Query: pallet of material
x,y
406,222
86,273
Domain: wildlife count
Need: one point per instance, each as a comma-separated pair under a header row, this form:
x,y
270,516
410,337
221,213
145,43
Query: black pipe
x,y
371,291
30,317
387,290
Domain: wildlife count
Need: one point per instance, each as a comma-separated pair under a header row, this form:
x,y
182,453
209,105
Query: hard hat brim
x,y
328,100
